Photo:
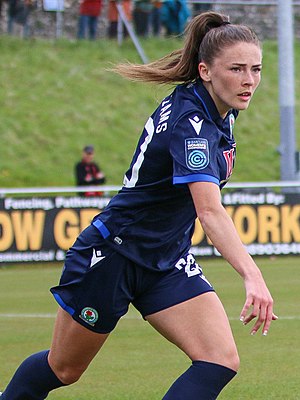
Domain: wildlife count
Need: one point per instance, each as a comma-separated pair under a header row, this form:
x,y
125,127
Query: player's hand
x,y
258,306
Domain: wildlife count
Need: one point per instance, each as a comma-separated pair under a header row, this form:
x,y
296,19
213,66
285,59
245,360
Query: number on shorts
x,y
191,268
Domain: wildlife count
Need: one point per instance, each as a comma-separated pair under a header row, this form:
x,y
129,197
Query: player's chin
x,y
242,105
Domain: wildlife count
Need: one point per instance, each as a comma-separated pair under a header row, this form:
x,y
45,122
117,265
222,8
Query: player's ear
x,y
204,72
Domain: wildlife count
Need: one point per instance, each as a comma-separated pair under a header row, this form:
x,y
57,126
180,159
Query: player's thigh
x,y
200,328
73,347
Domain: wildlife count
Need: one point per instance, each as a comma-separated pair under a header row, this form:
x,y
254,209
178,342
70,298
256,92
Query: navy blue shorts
x,y
98,284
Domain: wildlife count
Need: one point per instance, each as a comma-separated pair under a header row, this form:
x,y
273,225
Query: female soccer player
x,y
137,250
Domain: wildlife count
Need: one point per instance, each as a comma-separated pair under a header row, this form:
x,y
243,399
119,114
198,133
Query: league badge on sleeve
x,y
196,153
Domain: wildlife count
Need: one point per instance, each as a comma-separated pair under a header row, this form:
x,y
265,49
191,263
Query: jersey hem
x,y
195,178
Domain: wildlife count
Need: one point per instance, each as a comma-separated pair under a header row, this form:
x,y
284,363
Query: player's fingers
x,y
267,323
262,318
254,312
244,312
270,317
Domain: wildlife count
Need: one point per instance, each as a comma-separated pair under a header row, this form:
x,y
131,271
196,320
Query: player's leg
x,y
73,348
200,328
93,279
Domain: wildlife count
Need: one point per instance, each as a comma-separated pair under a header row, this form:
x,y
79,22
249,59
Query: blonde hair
x,y
205,37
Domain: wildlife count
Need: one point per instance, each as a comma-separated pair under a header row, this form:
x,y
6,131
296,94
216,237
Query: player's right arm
x,y
220,229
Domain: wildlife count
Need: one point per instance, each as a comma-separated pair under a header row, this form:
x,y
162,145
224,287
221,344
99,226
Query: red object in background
x,y
91,8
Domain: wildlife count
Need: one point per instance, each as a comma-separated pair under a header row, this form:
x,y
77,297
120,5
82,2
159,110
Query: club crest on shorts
x,y
196,153
89,315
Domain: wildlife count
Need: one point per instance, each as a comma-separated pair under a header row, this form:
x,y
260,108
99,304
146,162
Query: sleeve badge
x,y
196,153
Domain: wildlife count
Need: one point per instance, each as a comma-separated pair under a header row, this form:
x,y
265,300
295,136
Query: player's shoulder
x,y
185,96
184,104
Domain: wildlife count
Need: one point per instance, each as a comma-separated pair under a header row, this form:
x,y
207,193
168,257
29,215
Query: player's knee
x,y
226,356
229,357
68,375
233,361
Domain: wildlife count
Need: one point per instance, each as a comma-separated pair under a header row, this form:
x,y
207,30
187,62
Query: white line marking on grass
x,y
38,315
12,315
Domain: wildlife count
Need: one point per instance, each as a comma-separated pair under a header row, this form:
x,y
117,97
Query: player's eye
x,y
257,69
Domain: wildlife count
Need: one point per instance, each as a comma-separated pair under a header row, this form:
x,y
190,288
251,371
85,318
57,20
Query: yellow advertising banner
x,y
43,228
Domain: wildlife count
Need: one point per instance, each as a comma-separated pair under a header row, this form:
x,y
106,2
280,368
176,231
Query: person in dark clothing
x,y
18,13
87,172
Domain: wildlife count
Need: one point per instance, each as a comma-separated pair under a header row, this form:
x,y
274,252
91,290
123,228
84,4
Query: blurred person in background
x,y
1,6
156,18
88,172
89,11
18,12
113,17
174,16
142,14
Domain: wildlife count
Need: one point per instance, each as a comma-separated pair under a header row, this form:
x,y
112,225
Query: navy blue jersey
x,y
151,220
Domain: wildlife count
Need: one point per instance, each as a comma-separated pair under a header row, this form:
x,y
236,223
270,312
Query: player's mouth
x,y
245,96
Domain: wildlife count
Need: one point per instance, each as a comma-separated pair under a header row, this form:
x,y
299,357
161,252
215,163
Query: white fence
x,y
58,189
243,2
112,189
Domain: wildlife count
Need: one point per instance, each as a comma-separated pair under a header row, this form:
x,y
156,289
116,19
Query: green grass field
x,y
136,363
58,96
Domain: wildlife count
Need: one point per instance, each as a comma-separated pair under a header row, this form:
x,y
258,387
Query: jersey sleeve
x,y
194,147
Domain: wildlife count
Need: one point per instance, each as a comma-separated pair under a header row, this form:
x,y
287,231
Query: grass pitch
x,y
136,363
56,97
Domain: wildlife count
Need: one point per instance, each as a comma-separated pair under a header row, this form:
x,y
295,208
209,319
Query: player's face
x,y
233,77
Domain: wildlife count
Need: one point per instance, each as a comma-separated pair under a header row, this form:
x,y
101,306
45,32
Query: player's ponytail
x,y
205,36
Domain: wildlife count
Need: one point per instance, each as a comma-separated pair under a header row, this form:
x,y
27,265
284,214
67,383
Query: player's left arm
x,y
220,229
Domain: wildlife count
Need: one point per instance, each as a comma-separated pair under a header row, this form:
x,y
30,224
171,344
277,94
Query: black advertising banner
x,y
43,228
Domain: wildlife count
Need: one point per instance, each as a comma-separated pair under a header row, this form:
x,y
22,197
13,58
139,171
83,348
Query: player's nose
x,y
248,78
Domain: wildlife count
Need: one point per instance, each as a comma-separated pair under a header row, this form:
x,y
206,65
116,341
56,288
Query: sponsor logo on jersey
x,y
197,153
97,256
89,315
196,123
